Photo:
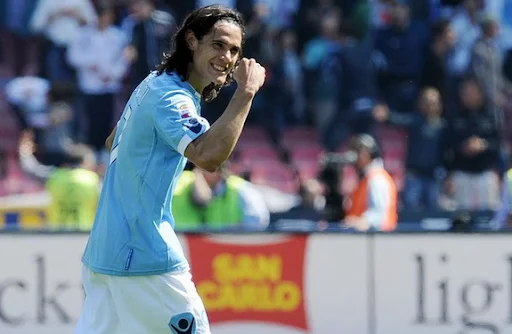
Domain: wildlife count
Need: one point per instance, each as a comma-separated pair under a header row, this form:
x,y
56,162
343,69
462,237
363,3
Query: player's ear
x,y
191,40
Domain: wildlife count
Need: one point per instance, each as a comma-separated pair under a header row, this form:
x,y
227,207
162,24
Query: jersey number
x,y
126,116
140,93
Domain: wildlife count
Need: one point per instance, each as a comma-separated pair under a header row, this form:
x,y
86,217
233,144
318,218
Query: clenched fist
x,y
249,75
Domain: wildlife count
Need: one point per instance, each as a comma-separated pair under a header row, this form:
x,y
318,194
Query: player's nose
x,y
225,55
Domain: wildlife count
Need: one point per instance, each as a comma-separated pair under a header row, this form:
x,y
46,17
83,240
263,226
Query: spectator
x,y
135,14
507,73
73,186
311,15
59,22
311,205
466,26
434,70
28,98
277,14
54,134
502,11
380,13
74,189
45,111
287,91
400,50
447,201
353,72
317,53
150,38
373,204
359,16
217,200
486,66
507,67
99,74
472,145
424,171
20,47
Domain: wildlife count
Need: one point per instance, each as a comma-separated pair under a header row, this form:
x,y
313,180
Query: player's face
x,y
216,54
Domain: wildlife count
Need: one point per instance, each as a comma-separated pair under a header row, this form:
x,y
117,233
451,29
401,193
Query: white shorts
x,y
155,304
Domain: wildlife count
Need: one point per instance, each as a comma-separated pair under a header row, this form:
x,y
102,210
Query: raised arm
x,y
214,147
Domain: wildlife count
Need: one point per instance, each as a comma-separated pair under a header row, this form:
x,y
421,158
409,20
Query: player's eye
x,y
218,46
234,51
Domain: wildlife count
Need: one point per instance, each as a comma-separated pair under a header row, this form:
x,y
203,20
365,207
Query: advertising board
x,y
290,284
280,284
40,288
443,284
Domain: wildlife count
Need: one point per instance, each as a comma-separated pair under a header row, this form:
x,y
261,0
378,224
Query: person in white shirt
x,y
97,54
45,112
27,97
59,22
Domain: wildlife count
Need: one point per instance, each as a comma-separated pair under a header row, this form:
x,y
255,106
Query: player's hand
x,y
27,146
249,75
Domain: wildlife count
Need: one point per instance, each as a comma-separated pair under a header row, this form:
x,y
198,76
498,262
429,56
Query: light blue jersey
x,y
133,233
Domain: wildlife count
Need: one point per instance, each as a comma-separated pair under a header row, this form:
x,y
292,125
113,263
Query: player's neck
x,y
196,80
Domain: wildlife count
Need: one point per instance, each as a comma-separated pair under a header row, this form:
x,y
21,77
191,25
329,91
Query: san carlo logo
x,y
250,282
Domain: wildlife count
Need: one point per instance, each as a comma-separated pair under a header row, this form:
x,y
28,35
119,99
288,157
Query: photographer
x,y
373,204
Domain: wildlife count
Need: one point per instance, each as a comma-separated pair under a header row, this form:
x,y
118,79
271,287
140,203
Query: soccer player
x,y
135,274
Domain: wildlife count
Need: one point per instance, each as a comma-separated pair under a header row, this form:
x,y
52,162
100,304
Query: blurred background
x,y
429,82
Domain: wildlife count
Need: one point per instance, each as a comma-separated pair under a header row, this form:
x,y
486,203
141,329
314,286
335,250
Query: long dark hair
x,y
200,22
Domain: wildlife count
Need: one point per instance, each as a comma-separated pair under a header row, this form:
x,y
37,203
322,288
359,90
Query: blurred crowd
x,y
431,80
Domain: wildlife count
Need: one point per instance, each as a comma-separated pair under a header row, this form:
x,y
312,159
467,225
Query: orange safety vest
x,y
359,198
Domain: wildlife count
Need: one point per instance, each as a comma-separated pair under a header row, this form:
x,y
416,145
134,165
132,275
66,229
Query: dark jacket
x,y
424,150
434,73
459,130
507,66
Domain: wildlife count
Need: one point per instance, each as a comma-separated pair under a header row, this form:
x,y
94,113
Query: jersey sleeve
x,y
177,121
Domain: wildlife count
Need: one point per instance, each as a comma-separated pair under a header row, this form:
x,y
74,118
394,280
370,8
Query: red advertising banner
x,y
250,282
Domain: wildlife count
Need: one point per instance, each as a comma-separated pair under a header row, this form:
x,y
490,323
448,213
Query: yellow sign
x,y
25,219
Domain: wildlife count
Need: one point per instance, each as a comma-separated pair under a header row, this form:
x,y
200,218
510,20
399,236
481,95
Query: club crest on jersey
x,y
183,323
